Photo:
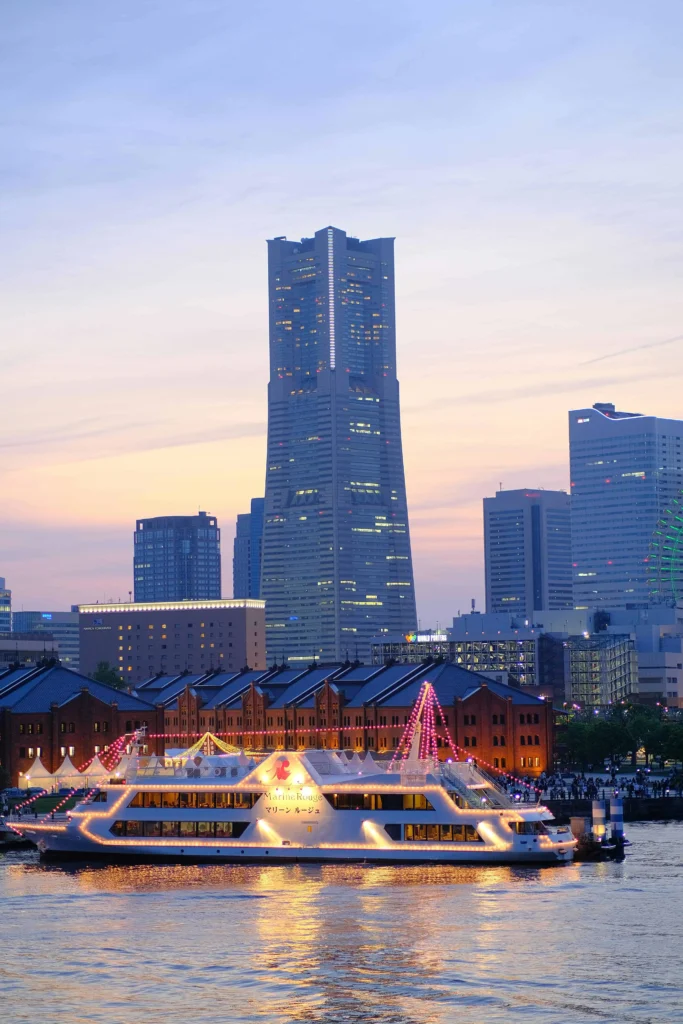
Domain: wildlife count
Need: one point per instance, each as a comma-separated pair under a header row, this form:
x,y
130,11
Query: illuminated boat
x,y
310,805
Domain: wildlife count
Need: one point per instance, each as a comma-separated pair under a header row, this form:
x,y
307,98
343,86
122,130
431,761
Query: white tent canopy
x,y
95,771
67,775
37,775
65,769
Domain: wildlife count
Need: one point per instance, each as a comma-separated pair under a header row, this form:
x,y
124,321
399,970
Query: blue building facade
x,y
177,558
5,607
247,551
527,549
337,565
626,471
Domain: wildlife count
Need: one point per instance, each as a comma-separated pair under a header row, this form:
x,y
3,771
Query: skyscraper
x,y
5,607
626,469
247,551
337,567
527,548
177,558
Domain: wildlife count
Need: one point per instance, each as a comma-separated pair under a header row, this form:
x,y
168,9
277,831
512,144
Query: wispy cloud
x,y
539,389
635,348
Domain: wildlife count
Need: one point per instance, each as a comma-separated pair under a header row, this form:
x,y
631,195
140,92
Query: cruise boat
x,y
309,805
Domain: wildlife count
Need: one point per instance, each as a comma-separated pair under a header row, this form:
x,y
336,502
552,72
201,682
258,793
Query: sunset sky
x,y
527,156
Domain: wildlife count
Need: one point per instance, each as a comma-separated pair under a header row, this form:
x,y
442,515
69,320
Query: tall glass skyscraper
x,y
337,568
177,558
248,551
5,607
626,469
527,548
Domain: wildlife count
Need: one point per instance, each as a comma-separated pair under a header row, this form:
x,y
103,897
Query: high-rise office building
x,y
626,470
5,607
247,551
527,548
337,566
177,558
63,626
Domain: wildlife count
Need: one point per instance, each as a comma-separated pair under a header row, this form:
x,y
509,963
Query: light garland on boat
x,y
455,747
112,755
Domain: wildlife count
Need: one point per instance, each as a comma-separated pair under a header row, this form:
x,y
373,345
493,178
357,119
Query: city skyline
x,y
538,271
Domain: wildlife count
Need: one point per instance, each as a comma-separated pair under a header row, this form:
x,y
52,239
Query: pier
x,y
638,808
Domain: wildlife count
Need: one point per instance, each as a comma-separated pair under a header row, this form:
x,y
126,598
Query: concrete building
x,y
527,550
658,635
5,607
358,708
626,470
177,558
248,551
63,626
27,648
337,562
53,712
141,639
558,654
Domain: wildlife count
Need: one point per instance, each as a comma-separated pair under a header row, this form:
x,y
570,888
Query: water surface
x,y
583,944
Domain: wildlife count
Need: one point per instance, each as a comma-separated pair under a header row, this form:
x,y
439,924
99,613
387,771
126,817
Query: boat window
x,y
528,828
378,801
441,833
180,829
205,800
416,802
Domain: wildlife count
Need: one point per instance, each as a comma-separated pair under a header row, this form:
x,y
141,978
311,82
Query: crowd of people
x,y
578,786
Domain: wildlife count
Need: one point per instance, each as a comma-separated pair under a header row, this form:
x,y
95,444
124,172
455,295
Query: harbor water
x,y
327,944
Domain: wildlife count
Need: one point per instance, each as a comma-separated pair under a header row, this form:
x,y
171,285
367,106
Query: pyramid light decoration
x,y
420,728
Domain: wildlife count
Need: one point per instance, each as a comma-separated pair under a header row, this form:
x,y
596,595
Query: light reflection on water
x,y
327,944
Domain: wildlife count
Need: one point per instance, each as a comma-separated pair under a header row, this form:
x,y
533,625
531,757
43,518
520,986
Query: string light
x,y
455,748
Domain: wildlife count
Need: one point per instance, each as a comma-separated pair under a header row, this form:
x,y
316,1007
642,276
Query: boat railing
x,y
177,768
474,785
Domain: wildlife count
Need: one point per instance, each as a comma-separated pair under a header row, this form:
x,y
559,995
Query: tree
x,y
673,742
5,779
106,673
576,739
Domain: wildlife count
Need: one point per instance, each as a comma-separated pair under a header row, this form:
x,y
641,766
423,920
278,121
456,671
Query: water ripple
x,y
338,944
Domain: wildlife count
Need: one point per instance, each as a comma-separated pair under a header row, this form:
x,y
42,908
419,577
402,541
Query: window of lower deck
x,y
180,829
379,801
442,833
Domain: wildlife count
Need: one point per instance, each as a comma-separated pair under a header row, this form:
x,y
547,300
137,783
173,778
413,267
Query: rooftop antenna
x,y
500,486
473,603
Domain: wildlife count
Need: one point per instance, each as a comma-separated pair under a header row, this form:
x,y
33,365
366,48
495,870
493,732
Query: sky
x,y
527,156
